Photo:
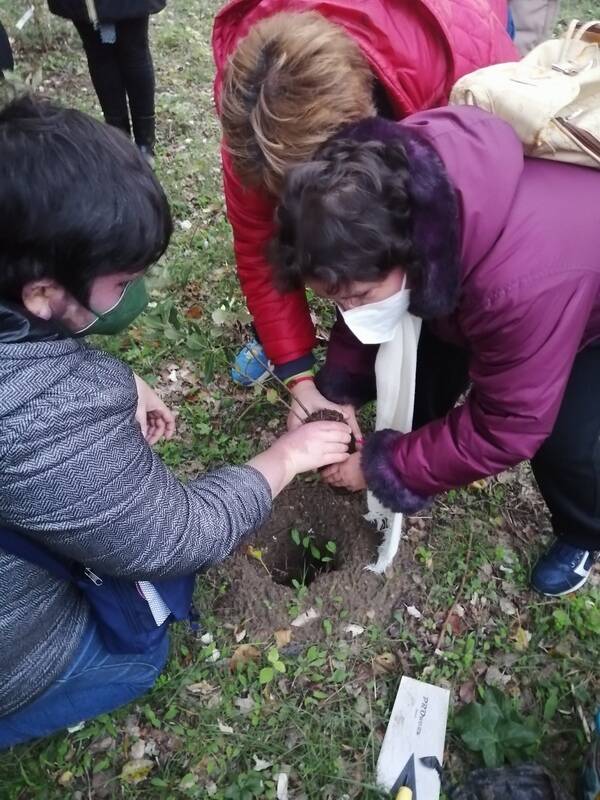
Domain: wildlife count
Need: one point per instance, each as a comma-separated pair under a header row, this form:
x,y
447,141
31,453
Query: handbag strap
x,y
575,33
18,544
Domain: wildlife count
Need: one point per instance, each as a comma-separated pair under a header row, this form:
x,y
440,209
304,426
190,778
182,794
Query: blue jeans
x,y
95,682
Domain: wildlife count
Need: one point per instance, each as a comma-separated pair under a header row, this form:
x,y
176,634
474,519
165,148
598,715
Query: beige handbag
x,y
551,97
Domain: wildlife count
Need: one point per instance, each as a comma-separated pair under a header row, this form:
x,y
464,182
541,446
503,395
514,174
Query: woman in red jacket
x,y
289,74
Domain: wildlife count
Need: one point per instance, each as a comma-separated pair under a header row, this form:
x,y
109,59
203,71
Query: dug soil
x,y
266,576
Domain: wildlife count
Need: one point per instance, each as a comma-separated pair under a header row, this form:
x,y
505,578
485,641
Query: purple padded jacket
x,y
511,250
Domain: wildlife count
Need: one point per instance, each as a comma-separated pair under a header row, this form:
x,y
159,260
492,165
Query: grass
x,y
205,730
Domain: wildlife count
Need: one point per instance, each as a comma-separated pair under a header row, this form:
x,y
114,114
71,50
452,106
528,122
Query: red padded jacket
x,y
417,50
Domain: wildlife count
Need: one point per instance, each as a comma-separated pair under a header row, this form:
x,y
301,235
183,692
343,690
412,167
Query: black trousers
x,y
123,76
567,465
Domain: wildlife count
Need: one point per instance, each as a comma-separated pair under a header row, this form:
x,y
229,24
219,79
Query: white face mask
x,y
375,323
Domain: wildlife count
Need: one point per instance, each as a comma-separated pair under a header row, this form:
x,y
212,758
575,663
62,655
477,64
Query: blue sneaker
x,y
249,365
562,569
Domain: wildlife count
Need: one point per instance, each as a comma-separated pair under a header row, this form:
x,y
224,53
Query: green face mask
x,y
129,306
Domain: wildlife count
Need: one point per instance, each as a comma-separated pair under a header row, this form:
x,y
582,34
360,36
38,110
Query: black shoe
x,y
145,136
148,156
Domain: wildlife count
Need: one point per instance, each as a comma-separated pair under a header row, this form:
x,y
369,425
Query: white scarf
x,y
389,323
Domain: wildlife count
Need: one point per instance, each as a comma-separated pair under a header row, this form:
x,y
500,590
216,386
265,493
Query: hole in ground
x,y
293,562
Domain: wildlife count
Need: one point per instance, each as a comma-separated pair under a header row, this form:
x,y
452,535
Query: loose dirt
x,y
260,595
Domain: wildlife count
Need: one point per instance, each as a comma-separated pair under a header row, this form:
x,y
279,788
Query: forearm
x,y
168,528
276,473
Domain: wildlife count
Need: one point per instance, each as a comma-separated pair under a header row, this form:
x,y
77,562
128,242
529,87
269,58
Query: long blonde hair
x,y
292,82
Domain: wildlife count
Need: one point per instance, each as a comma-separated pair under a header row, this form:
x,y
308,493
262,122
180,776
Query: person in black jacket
x,y
115,39
6,56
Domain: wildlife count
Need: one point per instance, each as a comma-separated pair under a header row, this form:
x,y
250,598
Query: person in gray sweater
x,y
82,217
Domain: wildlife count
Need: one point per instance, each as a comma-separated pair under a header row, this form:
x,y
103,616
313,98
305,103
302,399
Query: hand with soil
x,y
309,447
348,475
312,400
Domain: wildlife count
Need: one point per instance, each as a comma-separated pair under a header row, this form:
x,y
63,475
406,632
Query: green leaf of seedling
x,y
316,553
551,705
266,675
273,655
306,542
279,666
561,619
295,534
331,546
151,717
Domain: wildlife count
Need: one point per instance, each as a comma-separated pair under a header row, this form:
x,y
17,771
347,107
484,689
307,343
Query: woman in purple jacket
x,y
501,257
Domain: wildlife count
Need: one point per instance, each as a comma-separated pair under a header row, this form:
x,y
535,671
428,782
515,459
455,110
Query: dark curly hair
x,y
345,216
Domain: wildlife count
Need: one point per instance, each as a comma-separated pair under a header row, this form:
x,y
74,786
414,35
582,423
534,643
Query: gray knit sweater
x,y
76,472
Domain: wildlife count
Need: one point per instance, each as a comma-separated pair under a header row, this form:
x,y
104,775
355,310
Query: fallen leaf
x,y
282,786
507,607
211,788
136,770
254,552
214,700
283,637
354,630
102,745
239,635
243,655
220,316
305,617
522,638
66,778
260,764
384,663
413,611
131,726
74,728
203,687
194,312
207,638
479,485
137,750
467,692
152,748
493,677
227,729
214,656
456,623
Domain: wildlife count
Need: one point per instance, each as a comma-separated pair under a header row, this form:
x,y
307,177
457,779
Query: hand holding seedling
x,y
308,447
348,475
307,398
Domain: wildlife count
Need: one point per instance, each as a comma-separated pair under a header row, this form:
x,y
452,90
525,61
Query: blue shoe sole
x,y
570,590
244,380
